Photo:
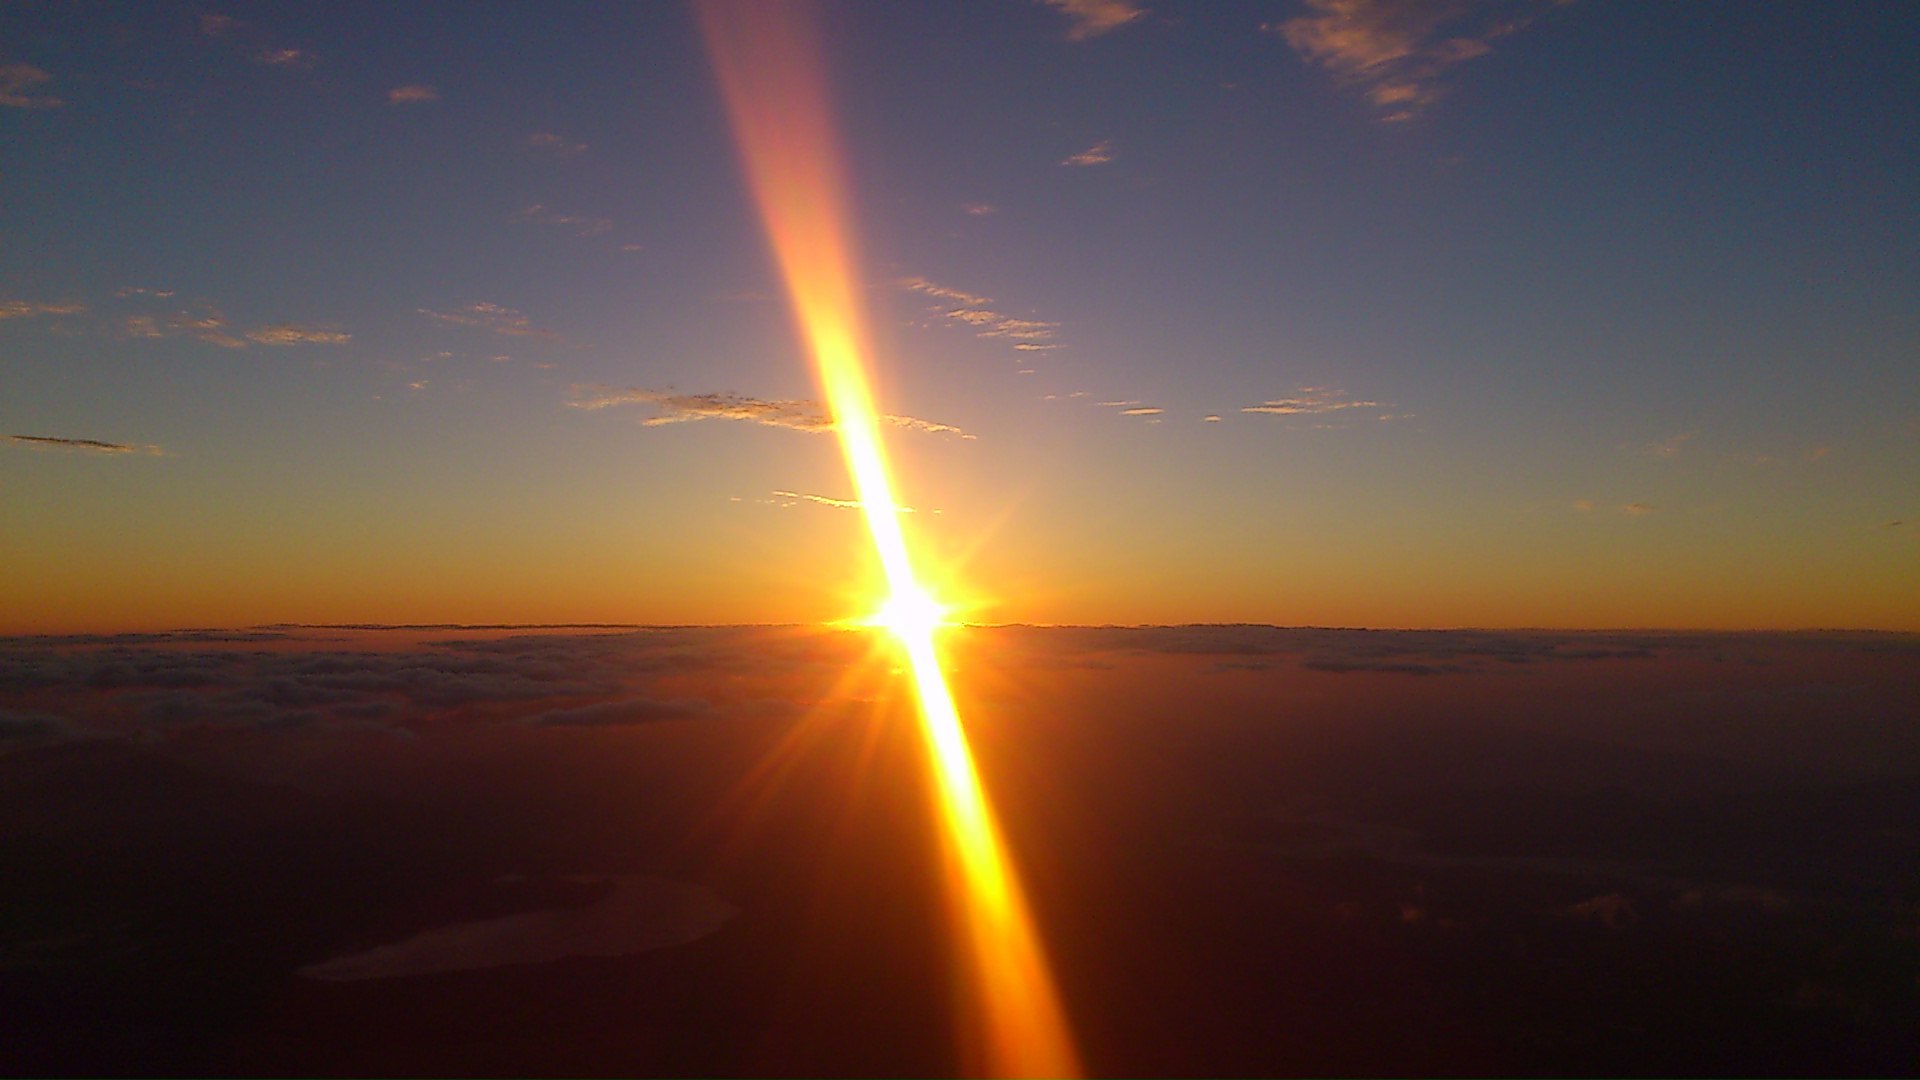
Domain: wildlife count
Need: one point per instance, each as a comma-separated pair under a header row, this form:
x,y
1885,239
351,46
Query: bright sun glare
x,y
911,613
770,72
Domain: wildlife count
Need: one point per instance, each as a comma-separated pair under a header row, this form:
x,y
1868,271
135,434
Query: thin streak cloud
x,y
795,498
941,292
675,408
1091,18
1312,401
84,446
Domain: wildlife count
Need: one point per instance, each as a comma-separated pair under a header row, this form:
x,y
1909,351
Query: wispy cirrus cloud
x,y
290,334
1099,153
1312,401
28,309
16,83
413,94
992,324
490,316
796,498
1400,52
577,224
1091,18
985,322
941,292
83,446
676,408
213,328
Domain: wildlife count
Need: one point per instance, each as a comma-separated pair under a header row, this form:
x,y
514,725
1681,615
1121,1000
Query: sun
x,y
911,613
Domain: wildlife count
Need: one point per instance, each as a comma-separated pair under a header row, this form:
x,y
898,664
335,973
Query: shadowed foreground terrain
x,y
709,851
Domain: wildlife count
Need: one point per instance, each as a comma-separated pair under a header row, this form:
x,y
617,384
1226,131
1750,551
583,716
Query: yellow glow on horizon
x,y
768,61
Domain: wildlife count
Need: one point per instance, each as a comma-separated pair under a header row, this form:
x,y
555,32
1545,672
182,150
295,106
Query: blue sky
x,y
1511,314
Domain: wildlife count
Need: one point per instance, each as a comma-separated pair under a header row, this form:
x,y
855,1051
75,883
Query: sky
x,y
1337,312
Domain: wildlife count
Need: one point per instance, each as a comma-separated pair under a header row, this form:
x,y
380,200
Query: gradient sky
x,y
1335,312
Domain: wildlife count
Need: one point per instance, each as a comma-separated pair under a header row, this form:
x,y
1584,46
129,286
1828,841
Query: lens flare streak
x,y
767,56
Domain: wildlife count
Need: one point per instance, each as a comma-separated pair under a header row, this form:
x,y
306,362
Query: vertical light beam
x,y
769,62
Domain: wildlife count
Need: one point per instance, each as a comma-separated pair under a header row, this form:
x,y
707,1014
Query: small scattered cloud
x,y
1398,52
136,290
1312,401
1633,509
84,446
1145,410
494,317
677,408
980,209
1099,153
1033,346
1211,418
28,309
554,143
284,58
1091,18
577,224
1669,447
1819,452
16,83
207,325
412,94
289,334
